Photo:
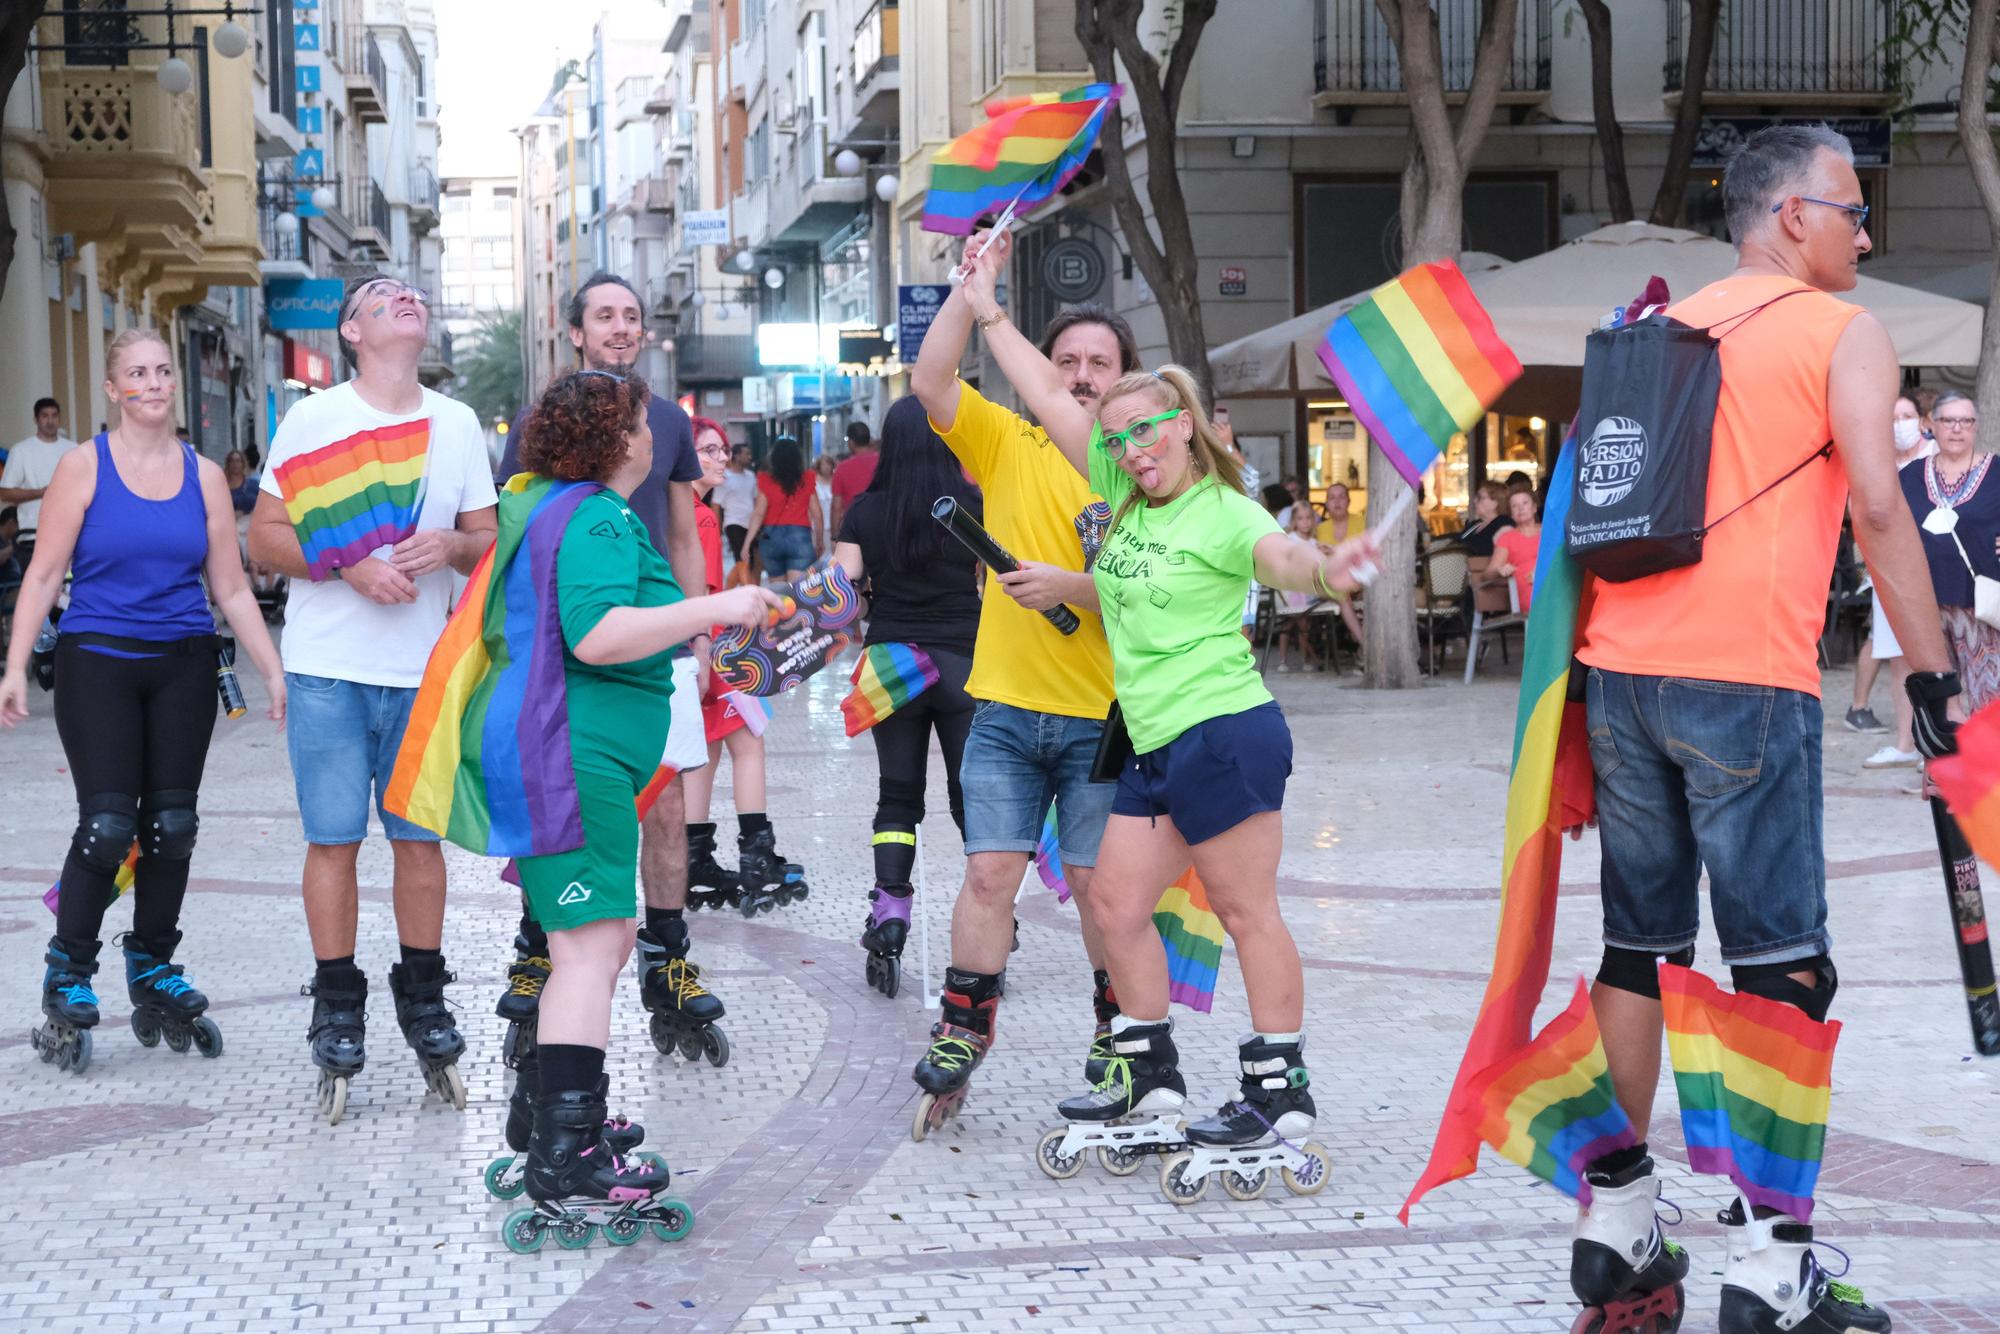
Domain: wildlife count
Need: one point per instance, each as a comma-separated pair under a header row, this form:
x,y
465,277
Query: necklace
x,y
1950,495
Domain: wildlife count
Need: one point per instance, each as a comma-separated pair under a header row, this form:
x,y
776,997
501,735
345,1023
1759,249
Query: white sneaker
x,y
1890,758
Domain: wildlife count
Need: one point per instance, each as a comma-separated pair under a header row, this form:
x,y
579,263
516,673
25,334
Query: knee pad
x,y
106,824
1774,981
1638,971
168,824
901,803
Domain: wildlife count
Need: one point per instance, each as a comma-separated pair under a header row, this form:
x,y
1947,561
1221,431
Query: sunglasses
x,y
1857,214
1144,433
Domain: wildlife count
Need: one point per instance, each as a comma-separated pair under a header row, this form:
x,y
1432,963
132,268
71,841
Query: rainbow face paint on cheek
x,y
132,394
378,311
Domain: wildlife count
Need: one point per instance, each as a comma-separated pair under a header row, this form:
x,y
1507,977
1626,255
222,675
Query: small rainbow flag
x,y
120,882
1550,1106
1970,782
1755,1077
887,677
348,498
655,785
485,759
1048,858
1193,936
1418,362
754,710
1027,149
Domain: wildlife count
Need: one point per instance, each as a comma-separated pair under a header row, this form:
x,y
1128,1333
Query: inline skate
x,y
710,885
337,1033
1266,1128
506,1175
1133,1111
428,1026
888,927
69,1004
522,1000
960,1039
1773,1280
164,1002
1621,1267
767,879
684,1013
580,1186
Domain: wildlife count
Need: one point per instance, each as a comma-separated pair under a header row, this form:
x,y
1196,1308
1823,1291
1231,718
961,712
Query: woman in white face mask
x,y
1913,433
1913,443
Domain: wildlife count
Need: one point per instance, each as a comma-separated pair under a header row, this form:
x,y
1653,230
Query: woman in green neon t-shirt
x,y
1212,751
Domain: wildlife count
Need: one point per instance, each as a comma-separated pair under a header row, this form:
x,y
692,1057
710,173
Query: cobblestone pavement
x,y
167,1191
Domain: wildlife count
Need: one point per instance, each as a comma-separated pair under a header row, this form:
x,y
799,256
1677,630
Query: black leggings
x,y
902,754
135,730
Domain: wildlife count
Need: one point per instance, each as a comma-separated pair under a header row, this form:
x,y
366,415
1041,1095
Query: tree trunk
x,y
1610,135
15,30
1703,16
1975,135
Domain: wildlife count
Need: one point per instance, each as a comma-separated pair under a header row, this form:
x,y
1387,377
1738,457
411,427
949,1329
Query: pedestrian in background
x,y
1955,496
787,516
854,474
30,467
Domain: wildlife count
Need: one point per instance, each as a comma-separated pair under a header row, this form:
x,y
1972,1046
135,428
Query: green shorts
x,y
600,879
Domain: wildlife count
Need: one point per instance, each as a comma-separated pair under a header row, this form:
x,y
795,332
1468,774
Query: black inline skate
x,y
684,1013
522,1000
164,1002
337,1033
1133,1111
1263,1129
1621,1266
960,1039
888,927
710,884
428,1026
506,1175
767,879
580,1185
69,1004
1773,1280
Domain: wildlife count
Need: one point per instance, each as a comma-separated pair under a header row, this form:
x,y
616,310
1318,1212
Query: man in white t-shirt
x,y
30,467
738,497
360,622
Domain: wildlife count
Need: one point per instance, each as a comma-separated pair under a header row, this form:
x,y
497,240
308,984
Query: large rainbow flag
x,y
1550,790
1026,150
1550,1106
348,498
886,677
485,759
1755,1077
1418,362
1193,936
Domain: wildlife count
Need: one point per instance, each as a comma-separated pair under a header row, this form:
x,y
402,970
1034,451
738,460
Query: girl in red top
x,y
1515,549
787,514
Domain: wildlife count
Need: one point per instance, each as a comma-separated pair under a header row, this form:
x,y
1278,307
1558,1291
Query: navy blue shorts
x,y
1213,776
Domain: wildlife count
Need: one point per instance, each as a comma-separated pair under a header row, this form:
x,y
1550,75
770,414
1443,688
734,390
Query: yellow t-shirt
x,y
1039,508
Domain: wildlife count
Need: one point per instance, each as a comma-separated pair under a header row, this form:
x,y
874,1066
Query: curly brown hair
x,y
576,432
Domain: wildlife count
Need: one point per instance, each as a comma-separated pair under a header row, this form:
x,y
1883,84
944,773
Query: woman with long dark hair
x,y
925,614
788,515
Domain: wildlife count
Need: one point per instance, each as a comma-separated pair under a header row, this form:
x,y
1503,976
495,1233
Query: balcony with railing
x,y
877,64
284,247
1355,61
367,78
423,197
1779,52
435,364
809,200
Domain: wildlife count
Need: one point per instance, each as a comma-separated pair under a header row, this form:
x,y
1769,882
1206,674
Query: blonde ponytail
x,y
1173,387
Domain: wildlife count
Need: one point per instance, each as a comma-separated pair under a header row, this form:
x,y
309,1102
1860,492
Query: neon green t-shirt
x,y
1172,579
618,712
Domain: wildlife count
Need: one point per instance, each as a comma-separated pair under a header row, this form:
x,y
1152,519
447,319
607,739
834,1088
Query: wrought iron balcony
x,y
1355,60
1775,51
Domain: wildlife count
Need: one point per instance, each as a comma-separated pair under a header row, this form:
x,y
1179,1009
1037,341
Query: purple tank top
x,y
137,567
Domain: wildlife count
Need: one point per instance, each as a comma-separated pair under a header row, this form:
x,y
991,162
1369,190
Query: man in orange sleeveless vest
x,y
1704,711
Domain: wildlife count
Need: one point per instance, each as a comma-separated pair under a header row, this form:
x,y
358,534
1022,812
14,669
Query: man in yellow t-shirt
x,y
1043,695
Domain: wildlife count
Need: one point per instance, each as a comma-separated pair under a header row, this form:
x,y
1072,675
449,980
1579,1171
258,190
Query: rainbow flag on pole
x,y
1193,936
356,495
887,677
1755,1077
1027,149
122,881
1418,362
1970,782
485,759
1550,1106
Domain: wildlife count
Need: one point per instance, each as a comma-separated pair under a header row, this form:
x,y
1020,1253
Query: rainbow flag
x,y
1970,782
1755,1077
1193,936
655,785
1550,790
355,495
485,759
1418,362
1027,149
887,677
1550,1107
120,882
1048,858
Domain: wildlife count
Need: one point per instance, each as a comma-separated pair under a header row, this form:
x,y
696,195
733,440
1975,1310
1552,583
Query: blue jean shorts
x,y
1213,776
1016,762
1717,775
787,547
343,737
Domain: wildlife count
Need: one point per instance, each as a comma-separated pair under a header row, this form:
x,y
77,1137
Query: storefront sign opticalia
x,y
303,303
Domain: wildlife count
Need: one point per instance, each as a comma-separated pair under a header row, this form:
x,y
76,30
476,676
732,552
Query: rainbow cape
x,y
353,496
1755,1077
485,759
1418,362
1970,782
1550,790
1048,858
120,882
1027,149
1549,1106
1193,936
887,677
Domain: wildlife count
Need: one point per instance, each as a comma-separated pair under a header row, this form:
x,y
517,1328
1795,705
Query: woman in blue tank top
x,y
138,518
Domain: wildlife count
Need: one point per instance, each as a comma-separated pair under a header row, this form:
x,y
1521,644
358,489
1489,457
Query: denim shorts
x,y
343,737
787,547
1717,775
1016,762
1213,776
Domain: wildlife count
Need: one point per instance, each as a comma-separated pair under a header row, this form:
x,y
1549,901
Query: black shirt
x,y
1477,536
674,460
935,605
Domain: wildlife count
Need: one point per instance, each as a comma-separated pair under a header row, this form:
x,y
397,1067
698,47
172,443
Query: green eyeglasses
x,y
1144,433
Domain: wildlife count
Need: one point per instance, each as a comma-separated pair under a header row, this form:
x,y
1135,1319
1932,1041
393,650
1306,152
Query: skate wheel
x,y
38,1039
524,1232
1120,1162
1311,1176
933,1112
179,1039
148,1035
207,1037
446,1082
1051,1159
333,1101
624,1230
675,1221
497,1184
573,1234
715,1046
76,1054
1177,1183
1245,1185
1590,1322
663,1035
689,1046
